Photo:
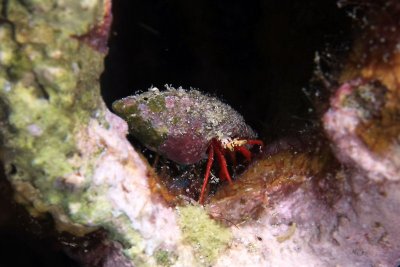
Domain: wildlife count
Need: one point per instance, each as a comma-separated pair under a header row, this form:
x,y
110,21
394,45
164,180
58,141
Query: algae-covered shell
x,y
180,124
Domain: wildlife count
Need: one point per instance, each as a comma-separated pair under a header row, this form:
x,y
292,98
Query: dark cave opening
x,y
255,56
258,57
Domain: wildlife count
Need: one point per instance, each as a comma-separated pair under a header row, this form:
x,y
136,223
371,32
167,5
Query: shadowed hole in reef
x,y
256,56
19,232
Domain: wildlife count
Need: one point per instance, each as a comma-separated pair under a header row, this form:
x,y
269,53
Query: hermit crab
x,y
186,125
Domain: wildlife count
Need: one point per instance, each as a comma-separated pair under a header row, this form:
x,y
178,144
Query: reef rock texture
x,y
63,151
327,198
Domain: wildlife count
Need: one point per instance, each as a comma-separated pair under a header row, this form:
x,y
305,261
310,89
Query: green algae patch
x,y
74,17
139,127
144,131
41,130
157,104
44,89
207,237
133,243
48,93
92,206
164,258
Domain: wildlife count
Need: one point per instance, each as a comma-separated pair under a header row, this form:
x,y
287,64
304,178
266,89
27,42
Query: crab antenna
x,y
208,170
222,162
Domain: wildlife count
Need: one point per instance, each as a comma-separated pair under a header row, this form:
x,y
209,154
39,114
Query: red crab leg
x,y
245,152
208,170
255,142
222,162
